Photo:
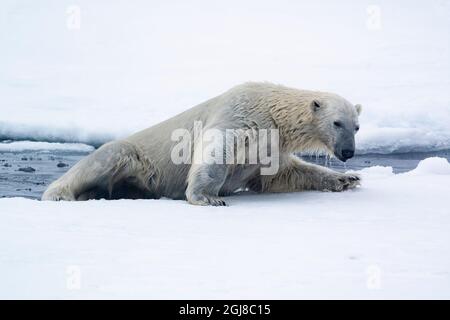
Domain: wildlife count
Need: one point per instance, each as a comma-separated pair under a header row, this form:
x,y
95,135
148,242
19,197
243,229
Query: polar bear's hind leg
x,y
116,170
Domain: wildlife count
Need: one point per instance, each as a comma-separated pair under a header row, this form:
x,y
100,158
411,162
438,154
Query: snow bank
x,y
434,165
131,65
50,133
387,239
402,140
17,146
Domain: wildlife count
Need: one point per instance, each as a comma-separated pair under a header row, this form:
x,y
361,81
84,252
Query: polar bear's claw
x,y
206,200
341,182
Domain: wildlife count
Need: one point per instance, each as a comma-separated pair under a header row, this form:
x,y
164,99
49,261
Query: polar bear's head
x,y
336,123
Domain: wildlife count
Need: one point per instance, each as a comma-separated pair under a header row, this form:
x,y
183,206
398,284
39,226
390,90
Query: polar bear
x,y
142,165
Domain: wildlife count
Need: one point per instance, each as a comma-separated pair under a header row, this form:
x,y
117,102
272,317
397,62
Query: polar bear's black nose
x,y
348,153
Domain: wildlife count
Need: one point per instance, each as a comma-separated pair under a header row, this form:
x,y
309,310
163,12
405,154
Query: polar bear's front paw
x,y
341,182
206,200
57,194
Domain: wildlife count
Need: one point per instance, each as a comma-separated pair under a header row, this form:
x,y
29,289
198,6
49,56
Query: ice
x,y
17,146
387,239
132,65
434,165
51,133
402,140
377,172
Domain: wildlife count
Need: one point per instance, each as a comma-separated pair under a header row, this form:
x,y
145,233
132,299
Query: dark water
x,y
48,166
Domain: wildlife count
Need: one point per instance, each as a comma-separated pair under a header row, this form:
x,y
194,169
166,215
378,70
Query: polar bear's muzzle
x,y
345,147
345,154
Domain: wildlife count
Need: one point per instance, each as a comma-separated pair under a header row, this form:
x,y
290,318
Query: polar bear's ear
x,y
315,105
358,108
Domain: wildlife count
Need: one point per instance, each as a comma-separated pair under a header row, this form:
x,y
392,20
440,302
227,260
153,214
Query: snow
x,y
16,146
387,239
131,65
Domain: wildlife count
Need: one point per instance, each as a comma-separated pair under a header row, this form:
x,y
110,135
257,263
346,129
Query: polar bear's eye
x,y
337,124
357,128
